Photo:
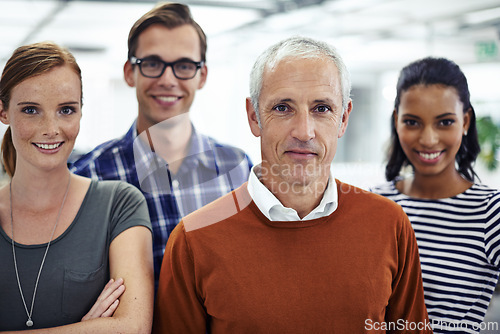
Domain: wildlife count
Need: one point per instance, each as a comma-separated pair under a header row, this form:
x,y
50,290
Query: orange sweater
x,y
228,269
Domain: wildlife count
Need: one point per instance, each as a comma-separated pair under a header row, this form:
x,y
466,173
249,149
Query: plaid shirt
x,y
209,171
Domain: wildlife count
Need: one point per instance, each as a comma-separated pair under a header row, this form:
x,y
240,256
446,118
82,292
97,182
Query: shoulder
x,y
120,187
372,214
353,193
478,196
366,202
481,190
385,189
124,203
116,190
219,210
483,193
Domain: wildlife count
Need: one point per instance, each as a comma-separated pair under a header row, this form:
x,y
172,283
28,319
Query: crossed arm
x,y
131,264
108,300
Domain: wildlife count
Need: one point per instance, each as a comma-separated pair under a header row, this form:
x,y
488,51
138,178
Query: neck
x,y
40,189
435,186
302,197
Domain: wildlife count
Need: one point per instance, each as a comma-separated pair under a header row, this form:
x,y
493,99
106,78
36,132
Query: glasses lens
x,y
185,70
151,67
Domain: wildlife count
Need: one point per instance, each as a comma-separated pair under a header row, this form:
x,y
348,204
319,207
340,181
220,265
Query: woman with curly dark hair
x,y
456,219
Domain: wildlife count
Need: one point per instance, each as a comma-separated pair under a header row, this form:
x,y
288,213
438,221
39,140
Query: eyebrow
x,y
328,101
280,100
156,57
448,114
37,104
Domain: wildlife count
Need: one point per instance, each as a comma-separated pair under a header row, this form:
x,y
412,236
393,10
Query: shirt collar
x,y
274,210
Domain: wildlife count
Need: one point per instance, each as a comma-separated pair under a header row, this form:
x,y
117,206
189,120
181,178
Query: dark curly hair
x,y
431,71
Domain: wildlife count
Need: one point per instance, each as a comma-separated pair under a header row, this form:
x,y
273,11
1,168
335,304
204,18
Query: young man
x,y
294,250
178,169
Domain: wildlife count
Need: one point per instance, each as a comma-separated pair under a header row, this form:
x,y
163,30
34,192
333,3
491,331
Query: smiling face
x,y
301,117
165,97
44,116
430,124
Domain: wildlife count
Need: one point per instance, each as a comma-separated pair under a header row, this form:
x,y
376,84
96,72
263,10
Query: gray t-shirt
x,y
77,266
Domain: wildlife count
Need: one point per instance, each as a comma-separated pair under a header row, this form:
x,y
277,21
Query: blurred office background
x,y
375,37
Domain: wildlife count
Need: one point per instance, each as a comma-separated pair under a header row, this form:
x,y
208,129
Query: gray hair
x,y
296,47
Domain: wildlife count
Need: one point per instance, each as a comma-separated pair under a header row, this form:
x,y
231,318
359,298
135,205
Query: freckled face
x,y
301,117
430,125
44,116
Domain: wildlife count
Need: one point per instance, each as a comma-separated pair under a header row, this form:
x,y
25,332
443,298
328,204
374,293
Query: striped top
x,y
459,245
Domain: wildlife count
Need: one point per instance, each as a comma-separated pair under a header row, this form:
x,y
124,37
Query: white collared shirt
x,y
272,208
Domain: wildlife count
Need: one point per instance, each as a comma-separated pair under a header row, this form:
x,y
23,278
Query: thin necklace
x,y
29,322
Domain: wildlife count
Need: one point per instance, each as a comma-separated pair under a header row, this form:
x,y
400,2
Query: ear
x,y
252,118
128,73
467,118
345,119
4,116
203,76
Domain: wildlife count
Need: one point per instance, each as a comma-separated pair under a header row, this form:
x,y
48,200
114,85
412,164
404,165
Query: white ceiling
x,y
371,34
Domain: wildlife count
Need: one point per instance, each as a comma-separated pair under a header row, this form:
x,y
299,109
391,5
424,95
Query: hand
x,y
107,302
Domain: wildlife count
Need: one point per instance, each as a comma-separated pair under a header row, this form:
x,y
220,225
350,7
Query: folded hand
x,y
107,302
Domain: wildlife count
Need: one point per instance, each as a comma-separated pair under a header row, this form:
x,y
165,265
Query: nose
x,y
303,126
50,125
429,137
167,78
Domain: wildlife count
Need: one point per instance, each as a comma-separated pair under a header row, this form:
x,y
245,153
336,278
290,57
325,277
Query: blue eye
x,y
29,110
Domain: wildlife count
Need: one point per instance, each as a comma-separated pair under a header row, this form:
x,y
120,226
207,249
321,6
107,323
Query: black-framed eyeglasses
x,y
153,67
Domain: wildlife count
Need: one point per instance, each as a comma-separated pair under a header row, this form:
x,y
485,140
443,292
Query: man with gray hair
x,y
294,250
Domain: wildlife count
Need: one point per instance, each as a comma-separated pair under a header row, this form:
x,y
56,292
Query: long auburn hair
x,y
435,71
